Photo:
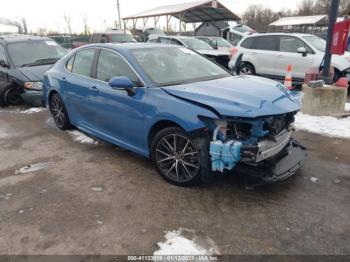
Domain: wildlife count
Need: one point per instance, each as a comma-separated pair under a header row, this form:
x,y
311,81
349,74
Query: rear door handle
x,y
94,89
64,79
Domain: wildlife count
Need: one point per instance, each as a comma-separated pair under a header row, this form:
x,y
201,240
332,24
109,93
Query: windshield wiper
x,y
45,61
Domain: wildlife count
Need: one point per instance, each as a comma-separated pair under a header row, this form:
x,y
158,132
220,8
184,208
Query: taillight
x,y
233,51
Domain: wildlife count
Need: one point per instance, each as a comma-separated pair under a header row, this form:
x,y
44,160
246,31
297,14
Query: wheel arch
x,y
159,125
248,63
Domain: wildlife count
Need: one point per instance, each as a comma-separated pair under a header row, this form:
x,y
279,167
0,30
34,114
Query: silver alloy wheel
x,y
57,111
177,158
246,71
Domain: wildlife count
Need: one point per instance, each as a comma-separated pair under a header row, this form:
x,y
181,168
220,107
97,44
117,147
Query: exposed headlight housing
x,y
33,85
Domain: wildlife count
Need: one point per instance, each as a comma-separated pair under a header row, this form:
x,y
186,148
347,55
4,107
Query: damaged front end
x,y
262,147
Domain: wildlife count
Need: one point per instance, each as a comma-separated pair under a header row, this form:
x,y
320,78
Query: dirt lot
x,y
98,199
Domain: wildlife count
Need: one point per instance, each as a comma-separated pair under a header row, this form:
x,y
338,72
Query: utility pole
x,y
332,17
119,19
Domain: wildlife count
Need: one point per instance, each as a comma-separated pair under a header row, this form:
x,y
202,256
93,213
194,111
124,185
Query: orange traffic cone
x,y
288,79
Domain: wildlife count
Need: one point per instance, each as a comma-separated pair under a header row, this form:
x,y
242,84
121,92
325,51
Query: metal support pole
x,y
328,56
180,24
119,18
125,24
167,23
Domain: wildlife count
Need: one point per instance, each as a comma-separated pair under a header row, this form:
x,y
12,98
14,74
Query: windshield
x,y
316,42
243,28
122,38
196,44
174,66
31,53
223,43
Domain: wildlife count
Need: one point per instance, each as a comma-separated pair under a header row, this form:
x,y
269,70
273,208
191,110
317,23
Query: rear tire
x,y
181,159
9,95
59,112
246,69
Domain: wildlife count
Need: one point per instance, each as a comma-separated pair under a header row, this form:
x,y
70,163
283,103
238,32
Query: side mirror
x,y
3,63
302,50
122,82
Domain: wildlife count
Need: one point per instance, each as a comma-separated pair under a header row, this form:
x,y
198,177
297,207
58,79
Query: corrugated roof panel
x,y
191,12
299,20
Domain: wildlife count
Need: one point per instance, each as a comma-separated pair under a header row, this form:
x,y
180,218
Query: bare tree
x,y
68,20
6,21
24,23
85,23
259,17
306,7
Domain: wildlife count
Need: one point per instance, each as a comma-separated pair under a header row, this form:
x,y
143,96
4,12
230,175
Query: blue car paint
x,y
94,107
240,96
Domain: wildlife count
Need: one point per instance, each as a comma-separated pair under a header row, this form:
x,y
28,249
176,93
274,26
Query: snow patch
x,y
33,110
186,242
347,107
82,138
24,111
313,179
323,125
31,168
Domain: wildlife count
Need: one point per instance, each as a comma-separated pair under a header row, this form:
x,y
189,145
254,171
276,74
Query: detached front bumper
x,y
279,167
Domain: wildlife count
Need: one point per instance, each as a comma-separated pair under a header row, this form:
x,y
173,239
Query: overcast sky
x,y
101,13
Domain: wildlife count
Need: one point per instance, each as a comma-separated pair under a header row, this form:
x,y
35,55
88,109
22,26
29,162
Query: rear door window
x,y
69,64
83,62
164,40
266,43
248,43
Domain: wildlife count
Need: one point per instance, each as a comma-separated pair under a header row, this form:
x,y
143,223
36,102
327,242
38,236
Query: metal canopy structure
x,y
301,20
195,12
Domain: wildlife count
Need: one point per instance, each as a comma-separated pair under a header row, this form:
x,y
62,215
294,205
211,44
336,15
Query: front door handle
x,y
94,89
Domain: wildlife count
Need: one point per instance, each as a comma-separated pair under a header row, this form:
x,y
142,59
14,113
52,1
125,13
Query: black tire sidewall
x,y
5,87
67,125
201,142
247,65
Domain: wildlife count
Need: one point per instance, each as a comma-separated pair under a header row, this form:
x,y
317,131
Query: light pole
x,y
332,17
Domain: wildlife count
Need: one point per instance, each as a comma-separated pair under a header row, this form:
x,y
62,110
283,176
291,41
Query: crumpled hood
x,y
240,96
34,73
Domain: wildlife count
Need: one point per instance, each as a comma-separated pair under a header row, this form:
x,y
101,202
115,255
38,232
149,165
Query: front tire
x,y
181,159
59,112
9,95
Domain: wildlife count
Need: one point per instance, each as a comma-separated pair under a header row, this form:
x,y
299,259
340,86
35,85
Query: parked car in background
x,y
148,32
221,57
112,36
80,40
270,54
23,62
63,40
235,33
130,95
217,43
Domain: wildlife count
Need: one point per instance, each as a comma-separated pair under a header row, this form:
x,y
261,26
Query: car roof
x,y
209,37
281,33
128,46
22,38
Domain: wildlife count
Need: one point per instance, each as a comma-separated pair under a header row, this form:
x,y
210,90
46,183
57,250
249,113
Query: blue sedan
x,y
190,116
